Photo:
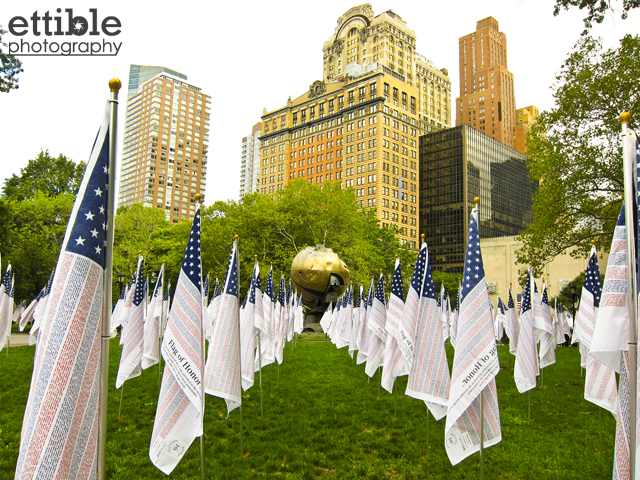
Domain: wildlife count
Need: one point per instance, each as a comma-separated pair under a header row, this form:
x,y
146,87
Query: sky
x,y
248,56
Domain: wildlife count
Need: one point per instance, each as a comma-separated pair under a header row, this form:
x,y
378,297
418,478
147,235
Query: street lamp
x,y
120,281
573,300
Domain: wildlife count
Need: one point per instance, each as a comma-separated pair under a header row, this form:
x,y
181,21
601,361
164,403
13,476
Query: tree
x,y
10,67
49,175
597,9
35,233
576,154
277,227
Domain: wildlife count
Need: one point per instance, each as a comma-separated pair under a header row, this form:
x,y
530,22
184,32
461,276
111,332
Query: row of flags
x,y
61,426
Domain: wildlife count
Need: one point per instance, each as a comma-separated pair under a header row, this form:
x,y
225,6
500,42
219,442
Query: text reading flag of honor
x,y
475,363
60,427
181,402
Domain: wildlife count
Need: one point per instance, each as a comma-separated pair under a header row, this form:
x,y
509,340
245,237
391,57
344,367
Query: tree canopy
x,y
46,174
10,67
596,8
576,153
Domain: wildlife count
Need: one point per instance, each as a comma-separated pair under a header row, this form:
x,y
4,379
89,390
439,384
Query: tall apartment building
x,y
487,95
525,119
456,165
250,162
139,74
360,125
166,137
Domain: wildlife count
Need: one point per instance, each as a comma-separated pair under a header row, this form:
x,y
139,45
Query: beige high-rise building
x,y
250,162
487,99
525,119
360,125
165,151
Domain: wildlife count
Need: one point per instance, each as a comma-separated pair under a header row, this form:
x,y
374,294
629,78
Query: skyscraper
x,y
360,125
487,95
166,137
525,119
250,162
456,165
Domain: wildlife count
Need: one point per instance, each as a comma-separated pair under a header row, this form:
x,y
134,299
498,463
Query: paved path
x,y
19,339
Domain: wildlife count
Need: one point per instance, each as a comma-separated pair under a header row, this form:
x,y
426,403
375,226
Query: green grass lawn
x,y
323,419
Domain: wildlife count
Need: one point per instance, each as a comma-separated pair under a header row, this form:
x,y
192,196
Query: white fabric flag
x,y
5,307
429,379
394,363
151,341
181,401
61,420
526,366
133,332
223,371
378,333
475,363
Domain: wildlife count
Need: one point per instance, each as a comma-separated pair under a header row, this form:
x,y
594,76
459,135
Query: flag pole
x,y
260,362
160,334
629,201
114,86
198,207
476,213
239,348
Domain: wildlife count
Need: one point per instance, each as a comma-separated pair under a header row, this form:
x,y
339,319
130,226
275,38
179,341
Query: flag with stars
x,y
5,308
60,428
611,330
376,324
453,330
27,314
279,313
248,331
222,372
39,311
501,318
212,310
511,326
356,316
429,379
133,332
151,343
117,309
181,401
526,366
475,362
258,319
589,304
363,333
411,312
394,363
547,336
267,341
165,308
205,307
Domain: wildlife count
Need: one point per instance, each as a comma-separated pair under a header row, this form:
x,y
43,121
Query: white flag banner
x,y
475,363
429,379
363,334
394,362
133,332
61,420
223,372
526,366
5,307
181,401
378,334
151,345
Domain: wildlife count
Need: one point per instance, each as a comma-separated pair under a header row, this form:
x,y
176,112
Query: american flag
x,y
212,310
151,345
5,307
259,323
394,363
475,363
547,336
378,333
453,331
500,319
165,309
39,311
356,318
27,314
343,335
280,318
526,366
133,332
429,379
363,333
205,306
611,331
326,317
117,309
222,372
248,331
267,341
181,401
511,324
589,303
60,428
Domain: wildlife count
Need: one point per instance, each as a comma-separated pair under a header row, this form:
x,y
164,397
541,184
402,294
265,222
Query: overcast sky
x,y
250,55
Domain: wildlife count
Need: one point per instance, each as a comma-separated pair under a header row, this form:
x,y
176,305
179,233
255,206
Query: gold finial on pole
x,y
476,200
236,237
115,84
255,256
625,117
593,242
422,236
198,198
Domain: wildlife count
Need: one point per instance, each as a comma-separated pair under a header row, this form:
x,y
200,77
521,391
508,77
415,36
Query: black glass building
x,y
456,165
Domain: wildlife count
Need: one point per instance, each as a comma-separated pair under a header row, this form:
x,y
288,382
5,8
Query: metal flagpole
x,y
114,86
239,350
482,435
198,207
629,202
260,374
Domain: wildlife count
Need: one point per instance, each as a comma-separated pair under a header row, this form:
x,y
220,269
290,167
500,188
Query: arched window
x,y
353,32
